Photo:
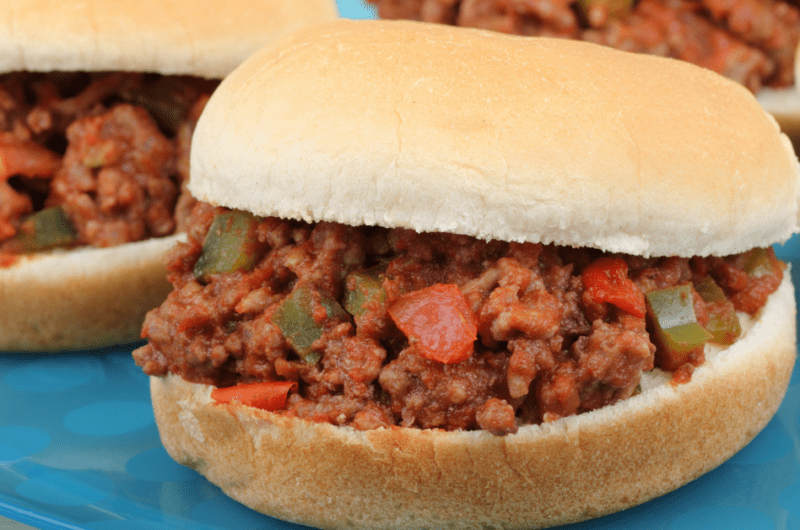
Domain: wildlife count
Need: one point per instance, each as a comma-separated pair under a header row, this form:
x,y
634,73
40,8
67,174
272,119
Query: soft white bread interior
x,y
83,298
438,128
575,468
207,39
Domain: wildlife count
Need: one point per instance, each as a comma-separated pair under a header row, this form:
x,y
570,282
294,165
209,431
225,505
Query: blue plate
x,y
79,449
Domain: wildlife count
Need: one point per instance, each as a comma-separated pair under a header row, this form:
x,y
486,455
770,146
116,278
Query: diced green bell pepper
x,y
723,322
709,291
674,320
758,263
46,229
295,318
364,288
230,245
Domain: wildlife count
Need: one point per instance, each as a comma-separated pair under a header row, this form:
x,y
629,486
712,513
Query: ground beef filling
x,y
551,340
107,151
750,41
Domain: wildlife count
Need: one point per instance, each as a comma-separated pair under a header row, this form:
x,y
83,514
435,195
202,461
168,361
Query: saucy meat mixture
x,y
372,327
750,41
95,159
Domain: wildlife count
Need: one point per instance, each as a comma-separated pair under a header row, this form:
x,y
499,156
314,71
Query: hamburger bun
x,y
94,297
403,124
207,39
457,115
82,298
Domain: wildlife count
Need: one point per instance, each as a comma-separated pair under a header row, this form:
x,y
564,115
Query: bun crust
x,y
436,128
207,39
82,298
575,468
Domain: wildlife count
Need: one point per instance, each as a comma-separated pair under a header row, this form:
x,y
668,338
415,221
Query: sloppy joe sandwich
x,y
447,278
753,42
98,101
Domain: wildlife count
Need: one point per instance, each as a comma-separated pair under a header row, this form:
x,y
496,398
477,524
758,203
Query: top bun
x,y
207,38
439,128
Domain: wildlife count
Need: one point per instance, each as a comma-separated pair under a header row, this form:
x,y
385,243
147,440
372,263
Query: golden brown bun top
x,y
440,128
207,38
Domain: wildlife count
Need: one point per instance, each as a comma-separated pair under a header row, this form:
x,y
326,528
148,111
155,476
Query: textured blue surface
x,y
88,456
356,9
79,449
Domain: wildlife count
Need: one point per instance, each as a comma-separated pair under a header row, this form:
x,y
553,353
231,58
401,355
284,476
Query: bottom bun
x,y
81,298
575,468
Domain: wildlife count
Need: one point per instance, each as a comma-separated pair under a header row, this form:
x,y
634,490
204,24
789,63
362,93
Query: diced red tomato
x,y
18,157
438,321
606,281
269,395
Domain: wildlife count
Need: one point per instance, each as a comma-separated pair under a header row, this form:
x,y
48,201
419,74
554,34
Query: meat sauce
x,y
323,305
106,154
750,41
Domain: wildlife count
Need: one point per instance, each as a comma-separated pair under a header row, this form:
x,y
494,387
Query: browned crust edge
x,y
576,468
